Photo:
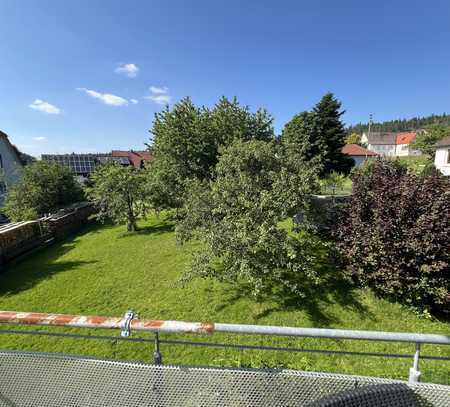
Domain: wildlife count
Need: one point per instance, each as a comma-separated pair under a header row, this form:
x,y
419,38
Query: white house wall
x,y
383,149
441,160
10,164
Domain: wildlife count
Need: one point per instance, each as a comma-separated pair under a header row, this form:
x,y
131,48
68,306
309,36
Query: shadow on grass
x,y
43,264
317,299
158,229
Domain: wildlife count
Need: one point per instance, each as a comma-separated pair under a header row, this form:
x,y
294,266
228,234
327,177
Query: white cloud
x,y
130,70
159,95
158,91
160,99
106,98
45,107
134,101
40,138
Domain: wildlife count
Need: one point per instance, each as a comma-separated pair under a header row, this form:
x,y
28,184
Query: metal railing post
x,y
414,372
126,323
157,357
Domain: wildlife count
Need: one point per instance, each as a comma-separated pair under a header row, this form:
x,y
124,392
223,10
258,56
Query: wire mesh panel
x,y
36,379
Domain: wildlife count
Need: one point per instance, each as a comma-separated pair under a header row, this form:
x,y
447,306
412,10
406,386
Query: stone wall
x,y
69,220
18,239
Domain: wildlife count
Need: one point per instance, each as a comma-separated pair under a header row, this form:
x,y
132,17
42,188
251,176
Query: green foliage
x,y
427,138
187,139
402,124
395,236
335,183
353,138
237,216
119,193
421,164
43,188
164,184
300,134
320,135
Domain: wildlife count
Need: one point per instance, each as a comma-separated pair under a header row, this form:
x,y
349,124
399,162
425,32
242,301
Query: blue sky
x,y
61,89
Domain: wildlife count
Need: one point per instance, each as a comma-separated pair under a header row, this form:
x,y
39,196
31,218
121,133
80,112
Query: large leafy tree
x,y
427,138
119,193
187,139
237,214
43,188
320,135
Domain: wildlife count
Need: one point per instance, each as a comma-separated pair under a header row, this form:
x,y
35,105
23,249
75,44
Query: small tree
x,y
333,182
353,138
427,138
236,217
119,194
43,188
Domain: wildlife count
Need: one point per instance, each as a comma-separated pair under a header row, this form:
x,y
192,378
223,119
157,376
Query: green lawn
x,y
104,271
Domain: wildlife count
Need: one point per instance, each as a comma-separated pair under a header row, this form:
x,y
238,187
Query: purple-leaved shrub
x,y
394,235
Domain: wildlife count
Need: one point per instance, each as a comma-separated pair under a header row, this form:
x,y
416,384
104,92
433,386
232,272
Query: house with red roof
x,y
403,142
391,144
357,153
132,157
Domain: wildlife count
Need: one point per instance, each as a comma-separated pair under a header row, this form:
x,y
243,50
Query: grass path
x,y
104,271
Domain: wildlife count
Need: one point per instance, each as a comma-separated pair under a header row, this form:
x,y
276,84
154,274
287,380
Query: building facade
x,y
403,142
10,165
391,144
380,143
442,156
357,153
135,158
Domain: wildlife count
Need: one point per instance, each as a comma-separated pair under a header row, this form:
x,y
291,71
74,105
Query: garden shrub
x,y
43,188
395,234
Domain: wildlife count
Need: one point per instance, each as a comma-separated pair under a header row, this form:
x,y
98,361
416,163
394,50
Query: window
x,y
448,156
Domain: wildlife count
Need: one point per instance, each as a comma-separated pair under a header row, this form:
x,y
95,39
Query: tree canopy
x,y
43,188
120,194
353,138
414,123
427,138
236,215
320,135
187,139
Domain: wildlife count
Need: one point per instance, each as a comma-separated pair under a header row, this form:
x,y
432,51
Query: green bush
x,y
43,188
395,234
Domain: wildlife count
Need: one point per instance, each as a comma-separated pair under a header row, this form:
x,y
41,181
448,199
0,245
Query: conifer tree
x,y
319,136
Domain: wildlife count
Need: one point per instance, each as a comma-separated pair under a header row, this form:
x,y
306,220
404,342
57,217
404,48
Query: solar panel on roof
x,y
78,163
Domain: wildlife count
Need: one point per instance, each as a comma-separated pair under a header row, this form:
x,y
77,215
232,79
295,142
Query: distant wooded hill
x,y
402,124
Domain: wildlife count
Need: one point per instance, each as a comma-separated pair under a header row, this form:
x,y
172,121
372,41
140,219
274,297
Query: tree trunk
x,y
131,225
